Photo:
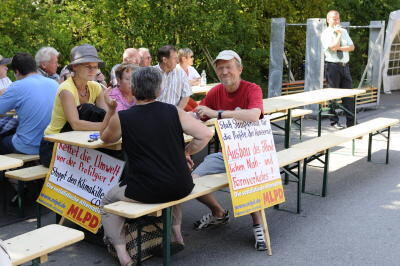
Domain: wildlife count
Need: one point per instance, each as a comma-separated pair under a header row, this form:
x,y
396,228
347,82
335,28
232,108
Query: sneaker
x,y
260,244
210,220
337,125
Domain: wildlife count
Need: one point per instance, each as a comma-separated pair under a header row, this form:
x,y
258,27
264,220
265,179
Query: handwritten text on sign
x,y
78,180
251,164
85,172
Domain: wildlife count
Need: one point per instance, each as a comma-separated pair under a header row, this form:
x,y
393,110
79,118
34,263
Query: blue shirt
x,y
32,97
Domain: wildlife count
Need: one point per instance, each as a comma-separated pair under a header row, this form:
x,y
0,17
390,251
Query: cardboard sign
x,y
78,180
251,164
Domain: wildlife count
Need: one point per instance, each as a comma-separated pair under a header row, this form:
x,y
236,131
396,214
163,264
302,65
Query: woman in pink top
x,y
122,93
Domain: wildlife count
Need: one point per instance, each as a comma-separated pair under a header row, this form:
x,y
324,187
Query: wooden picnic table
x,y
288,102
203,89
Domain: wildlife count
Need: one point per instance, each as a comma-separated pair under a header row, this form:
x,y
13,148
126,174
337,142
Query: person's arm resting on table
x,y
72,116
251,115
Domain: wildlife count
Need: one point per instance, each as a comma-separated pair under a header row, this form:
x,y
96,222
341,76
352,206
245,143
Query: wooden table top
x,y
203,89
282,103
81,139
9,163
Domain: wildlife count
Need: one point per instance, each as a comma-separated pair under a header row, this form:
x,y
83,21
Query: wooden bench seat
x,y
302,153
203,185
25,175
9,163
28,173
40,242
24,157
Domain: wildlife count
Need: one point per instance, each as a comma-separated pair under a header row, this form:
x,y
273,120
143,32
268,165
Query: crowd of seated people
x,y
138,103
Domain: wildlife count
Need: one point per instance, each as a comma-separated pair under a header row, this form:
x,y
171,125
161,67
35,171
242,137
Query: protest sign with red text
x,y
78,180
251,164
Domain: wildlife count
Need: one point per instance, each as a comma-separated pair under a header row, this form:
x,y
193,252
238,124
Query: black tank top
x,y
152,139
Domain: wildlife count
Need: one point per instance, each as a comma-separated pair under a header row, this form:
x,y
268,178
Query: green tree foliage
x,y
211,25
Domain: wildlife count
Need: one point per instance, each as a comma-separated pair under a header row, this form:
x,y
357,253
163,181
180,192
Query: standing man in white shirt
x,y
4,80
175,84
337,44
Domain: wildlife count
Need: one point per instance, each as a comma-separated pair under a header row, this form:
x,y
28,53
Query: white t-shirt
x,y
193,74
4,83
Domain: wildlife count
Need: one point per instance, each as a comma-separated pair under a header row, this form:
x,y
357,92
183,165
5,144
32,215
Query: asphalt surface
x,y
356,224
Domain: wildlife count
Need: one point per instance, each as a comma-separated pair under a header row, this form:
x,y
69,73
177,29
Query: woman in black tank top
x,y
158,163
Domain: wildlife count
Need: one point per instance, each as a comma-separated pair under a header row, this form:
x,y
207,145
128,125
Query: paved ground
x,y
356,224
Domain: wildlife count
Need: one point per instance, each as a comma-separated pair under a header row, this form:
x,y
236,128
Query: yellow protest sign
x,y
251,164
78,180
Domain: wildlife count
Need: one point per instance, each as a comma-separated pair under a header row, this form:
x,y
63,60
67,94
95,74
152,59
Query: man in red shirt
x,y
233,98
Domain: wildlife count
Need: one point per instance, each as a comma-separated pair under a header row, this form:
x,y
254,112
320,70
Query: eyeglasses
x,y
89,68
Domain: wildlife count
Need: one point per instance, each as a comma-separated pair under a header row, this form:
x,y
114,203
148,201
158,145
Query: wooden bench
x,y
37,244
9,163
24,157
25,175
303,153
203,186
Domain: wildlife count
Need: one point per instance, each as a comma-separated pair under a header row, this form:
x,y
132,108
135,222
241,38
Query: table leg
x,y
288,125
319,120
167,236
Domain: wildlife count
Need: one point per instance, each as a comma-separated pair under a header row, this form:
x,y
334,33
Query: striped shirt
x,y
4,83
174,86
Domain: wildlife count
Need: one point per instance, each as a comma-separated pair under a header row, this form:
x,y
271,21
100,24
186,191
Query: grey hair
x,y
44,54
146,83
143,49
184,52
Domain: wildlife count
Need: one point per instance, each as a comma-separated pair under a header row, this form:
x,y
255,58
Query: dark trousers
x,y
339,76
6,145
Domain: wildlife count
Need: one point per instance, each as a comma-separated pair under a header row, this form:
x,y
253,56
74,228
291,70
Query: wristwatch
x,y
220,114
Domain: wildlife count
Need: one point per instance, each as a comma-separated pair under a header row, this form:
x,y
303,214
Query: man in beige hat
x,y
4,80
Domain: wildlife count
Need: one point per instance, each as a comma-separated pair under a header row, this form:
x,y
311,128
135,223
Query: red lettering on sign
x,y
83,216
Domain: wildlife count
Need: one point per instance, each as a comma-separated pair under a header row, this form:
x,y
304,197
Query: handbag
x,y
143,236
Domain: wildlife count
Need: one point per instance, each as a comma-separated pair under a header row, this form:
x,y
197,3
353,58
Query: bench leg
x,y
303,185
369,147
325,179
20,195
299,185
167,236
38,216
387,146
139,245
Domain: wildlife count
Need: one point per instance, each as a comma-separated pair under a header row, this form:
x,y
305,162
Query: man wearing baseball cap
x,y
4,80
32,96
233,98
